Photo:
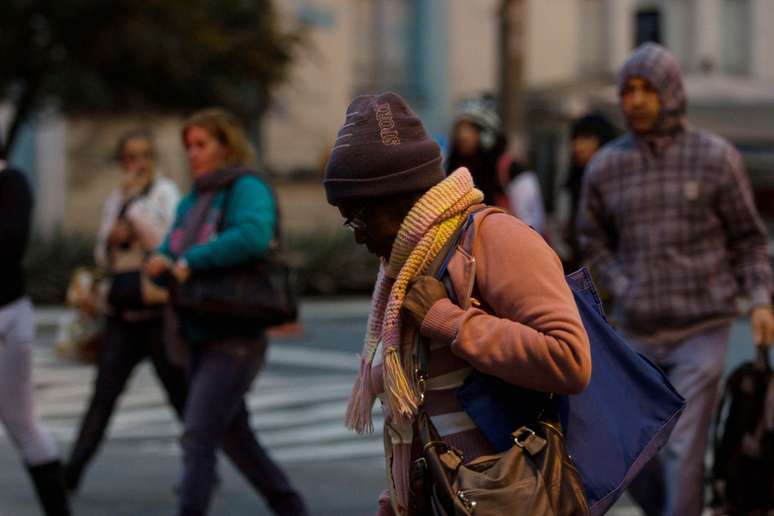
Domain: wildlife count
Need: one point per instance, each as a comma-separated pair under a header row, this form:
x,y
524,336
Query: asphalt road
x,y
297,402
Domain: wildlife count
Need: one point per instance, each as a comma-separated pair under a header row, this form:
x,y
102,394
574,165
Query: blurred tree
x,y
127,55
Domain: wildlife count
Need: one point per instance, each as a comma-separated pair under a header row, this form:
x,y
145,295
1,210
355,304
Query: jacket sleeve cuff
x,y
442,321
194,258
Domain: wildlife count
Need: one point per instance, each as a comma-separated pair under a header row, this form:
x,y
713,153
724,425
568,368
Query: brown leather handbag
x,y
535,477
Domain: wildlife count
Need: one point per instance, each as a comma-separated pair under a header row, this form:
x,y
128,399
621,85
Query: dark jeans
x,y
216,416
126,345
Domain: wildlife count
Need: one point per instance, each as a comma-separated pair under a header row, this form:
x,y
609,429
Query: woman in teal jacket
x,y
227,220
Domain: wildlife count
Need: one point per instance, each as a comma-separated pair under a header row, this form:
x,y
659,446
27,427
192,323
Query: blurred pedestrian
x,y
135,218
17,334
588,134
227,220
523,327
477,143
525,199
667,218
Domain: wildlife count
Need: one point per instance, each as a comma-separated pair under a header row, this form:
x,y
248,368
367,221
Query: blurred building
x,y
724,47
435,53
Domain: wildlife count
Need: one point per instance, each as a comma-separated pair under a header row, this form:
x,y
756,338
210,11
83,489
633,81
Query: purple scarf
x,y
203,219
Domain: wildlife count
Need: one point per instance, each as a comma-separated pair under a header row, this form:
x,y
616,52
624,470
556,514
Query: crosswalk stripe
x,y
299,417
302,356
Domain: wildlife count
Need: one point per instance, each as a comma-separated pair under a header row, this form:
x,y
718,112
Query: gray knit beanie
x,y
381,150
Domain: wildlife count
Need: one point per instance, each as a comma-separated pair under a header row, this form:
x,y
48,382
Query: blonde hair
x,y
225,128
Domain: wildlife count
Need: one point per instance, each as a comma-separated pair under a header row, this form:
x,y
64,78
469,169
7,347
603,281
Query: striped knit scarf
x,y
427,227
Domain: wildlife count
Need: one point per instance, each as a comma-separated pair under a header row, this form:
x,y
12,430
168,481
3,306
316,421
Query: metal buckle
x,y
434,444
421,387
469,503
519,437
418,469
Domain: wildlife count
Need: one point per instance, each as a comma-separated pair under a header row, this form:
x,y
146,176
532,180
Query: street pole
x,y
512,28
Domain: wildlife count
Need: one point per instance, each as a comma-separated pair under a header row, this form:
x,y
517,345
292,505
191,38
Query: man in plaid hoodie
x,y
668,224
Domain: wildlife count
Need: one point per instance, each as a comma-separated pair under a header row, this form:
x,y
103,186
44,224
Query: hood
x,y
656,64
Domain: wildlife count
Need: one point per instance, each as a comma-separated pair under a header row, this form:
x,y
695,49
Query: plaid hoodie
x,y
667,220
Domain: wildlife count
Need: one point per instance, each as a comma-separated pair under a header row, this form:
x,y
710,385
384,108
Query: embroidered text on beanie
x,y
382,149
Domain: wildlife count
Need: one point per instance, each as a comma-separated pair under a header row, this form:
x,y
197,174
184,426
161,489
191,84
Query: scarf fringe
x,y
359,409
401,461
401,399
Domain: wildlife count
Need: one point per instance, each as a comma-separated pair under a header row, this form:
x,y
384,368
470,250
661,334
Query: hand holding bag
x,y
130,288
260,292
533,476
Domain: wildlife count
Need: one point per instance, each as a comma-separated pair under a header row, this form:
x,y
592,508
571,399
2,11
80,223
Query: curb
x,y
48,316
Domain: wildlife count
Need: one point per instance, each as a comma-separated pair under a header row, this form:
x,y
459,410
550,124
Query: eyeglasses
x,y
356,222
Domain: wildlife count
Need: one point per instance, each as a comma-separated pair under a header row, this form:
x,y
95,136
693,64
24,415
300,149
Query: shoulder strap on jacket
x,y
470,236
272,193
438,269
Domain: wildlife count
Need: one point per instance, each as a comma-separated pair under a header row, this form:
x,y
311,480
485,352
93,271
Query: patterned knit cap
x,y
381,150
481,111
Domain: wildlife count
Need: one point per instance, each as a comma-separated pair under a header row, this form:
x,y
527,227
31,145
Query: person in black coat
x,y
17,336
588,134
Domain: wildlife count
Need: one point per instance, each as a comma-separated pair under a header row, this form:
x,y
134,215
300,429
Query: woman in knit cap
x,y
478,144
509,312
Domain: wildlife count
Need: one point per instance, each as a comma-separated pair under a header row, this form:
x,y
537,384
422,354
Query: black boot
x,y
72,477
49,485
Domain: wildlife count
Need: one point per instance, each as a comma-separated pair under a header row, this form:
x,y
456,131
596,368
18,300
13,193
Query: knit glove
x,y
422,294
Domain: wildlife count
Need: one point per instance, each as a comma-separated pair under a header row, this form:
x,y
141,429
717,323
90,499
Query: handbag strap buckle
x,y
527,439
421,388
469,503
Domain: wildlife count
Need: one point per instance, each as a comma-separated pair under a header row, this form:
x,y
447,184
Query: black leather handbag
x,y
260,292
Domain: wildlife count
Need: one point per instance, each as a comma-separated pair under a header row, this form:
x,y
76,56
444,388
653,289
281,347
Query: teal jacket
x,y
248,229
248,226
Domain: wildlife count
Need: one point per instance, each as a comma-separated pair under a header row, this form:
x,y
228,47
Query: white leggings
x,y
17,406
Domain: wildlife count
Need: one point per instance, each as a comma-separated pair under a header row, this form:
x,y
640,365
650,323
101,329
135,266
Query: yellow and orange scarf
x,y
424,232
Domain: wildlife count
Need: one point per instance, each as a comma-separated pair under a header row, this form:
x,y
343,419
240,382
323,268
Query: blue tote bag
x,y
612,429
625,415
